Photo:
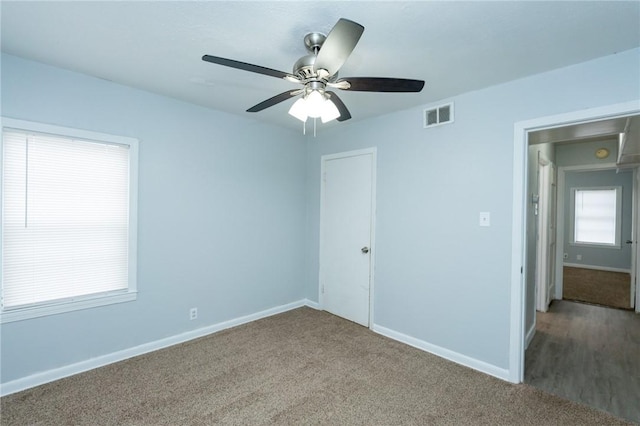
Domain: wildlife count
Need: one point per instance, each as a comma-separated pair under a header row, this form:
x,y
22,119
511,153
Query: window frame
x,y
618,231
93,300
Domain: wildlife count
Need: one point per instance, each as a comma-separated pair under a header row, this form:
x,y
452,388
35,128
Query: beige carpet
x,y
300,367
598,287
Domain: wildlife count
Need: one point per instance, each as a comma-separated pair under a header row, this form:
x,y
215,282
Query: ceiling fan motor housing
x,y
303,67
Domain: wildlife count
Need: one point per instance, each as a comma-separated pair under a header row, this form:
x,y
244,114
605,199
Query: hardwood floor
x,y
588,354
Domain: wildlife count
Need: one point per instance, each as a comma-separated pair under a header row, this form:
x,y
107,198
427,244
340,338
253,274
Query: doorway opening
x,y
599,267
520,312
531,251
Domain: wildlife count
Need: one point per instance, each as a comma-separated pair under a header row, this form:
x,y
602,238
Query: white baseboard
x,y
312,304
597,268
82,366
529,337
456,357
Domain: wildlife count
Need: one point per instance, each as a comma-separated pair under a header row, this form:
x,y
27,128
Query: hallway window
x,y
596,216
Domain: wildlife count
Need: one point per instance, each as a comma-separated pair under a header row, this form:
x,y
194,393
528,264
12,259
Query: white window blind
x,y
65,224
596,216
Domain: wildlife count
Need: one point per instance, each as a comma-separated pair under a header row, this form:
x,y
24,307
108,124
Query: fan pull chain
x,y
314,126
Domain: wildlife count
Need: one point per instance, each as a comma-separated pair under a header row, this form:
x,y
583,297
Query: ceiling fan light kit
x,y
318,71
314,106
315,103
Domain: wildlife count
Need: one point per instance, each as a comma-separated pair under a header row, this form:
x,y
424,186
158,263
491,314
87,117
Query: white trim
x,y
530,335
618,224
518,236
311,304
518,256
90,364
447,354
372,249
54,129
596,267
347,154
94,300
636,236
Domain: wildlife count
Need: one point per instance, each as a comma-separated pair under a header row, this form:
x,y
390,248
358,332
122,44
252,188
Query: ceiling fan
x,y
318,72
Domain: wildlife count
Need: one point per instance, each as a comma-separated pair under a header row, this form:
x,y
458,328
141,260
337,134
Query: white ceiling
x,y
455,47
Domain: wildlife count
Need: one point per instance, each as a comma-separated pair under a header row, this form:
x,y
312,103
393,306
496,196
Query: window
x,y
596,216
69,219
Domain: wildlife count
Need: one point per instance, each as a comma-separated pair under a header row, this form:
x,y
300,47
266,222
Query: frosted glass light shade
x,y
329,111
315,103
299,110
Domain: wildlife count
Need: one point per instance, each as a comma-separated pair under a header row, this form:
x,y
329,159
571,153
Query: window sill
x,y
20,314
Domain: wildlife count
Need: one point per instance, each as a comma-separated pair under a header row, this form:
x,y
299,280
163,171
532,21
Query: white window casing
x,y
69,219
596,215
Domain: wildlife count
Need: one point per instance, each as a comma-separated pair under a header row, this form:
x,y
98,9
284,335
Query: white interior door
x,y
545,245
552,232
346,225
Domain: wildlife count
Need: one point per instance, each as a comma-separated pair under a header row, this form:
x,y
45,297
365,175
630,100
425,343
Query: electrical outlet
x,y
193,313
578,257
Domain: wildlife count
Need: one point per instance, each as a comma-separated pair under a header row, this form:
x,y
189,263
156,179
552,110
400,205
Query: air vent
x,y
441,114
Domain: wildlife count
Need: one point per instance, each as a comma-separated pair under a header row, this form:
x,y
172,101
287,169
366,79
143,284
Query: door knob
x,y
629,242
365,249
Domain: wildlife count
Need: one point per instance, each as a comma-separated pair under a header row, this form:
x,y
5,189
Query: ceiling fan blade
x,y
275,100
382,84
344,112
245,66
340,42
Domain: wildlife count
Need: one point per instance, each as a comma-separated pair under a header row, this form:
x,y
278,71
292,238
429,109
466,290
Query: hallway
x,y
589,354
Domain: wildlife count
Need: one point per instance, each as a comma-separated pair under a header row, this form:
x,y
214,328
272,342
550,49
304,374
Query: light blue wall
x,y
593,256
221,216
440,277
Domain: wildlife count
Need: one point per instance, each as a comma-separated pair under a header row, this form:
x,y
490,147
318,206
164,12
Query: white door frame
x,y
519,211
372,249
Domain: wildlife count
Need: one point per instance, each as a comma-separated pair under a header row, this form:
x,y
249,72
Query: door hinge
x,y
521,269
322,288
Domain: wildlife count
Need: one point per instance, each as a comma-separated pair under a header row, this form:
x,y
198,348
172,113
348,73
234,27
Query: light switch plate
x,y
485,219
